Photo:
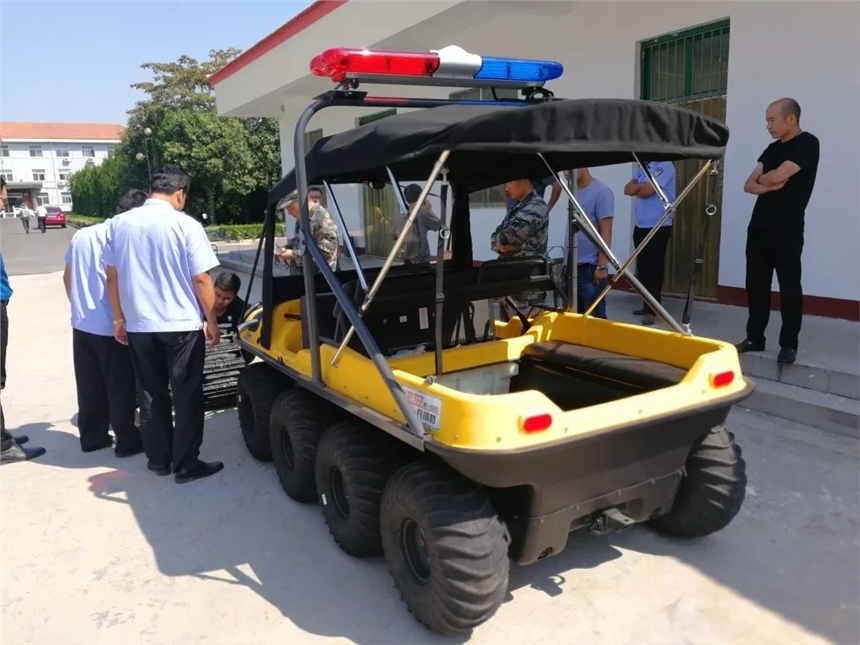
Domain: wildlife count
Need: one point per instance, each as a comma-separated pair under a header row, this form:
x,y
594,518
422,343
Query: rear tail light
x,y
722,379
537,423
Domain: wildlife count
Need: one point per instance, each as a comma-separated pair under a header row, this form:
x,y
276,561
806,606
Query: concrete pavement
x,y
99,550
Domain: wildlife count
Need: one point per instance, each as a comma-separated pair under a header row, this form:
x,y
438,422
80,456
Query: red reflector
x,y
722,379
537,423
337,63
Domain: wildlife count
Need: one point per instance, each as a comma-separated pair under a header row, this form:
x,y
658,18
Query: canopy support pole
x,y
347,238
444,233
634,282
437,168
413,423
572,246
256,261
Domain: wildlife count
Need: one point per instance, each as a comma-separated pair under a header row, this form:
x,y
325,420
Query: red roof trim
x,y
298,23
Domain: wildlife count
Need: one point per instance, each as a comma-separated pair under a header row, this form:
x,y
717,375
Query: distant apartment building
x,y
37,159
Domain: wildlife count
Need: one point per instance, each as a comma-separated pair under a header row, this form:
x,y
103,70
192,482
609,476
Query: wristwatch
x,y
601,268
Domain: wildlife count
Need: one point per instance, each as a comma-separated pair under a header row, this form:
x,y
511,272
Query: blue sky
x,y
73,61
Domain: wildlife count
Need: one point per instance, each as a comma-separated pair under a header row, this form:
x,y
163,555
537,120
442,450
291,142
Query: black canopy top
x,y
492,144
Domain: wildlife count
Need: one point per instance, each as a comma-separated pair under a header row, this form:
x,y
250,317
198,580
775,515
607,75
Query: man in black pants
x,y
158,261
104,375
647,212
783,179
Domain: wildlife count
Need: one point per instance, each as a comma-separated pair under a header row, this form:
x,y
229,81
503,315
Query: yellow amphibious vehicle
x,y
488,440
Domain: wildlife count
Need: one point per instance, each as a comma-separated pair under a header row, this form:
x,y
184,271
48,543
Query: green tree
x,y
232,162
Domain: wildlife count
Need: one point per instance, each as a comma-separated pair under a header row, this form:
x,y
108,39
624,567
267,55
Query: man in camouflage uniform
x,y
522,233
323,230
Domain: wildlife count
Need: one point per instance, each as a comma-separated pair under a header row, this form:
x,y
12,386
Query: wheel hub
x,y
416,553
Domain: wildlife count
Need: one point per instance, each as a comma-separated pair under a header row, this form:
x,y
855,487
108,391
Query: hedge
x,y
228,232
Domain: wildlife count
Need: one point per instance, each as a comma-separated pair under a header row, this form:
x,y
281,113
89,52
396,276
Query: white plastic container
x,y
488,379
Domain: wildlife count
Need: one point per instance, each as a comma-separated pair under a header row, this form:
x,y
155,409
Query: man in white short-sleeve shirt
x,y
104,376
158,259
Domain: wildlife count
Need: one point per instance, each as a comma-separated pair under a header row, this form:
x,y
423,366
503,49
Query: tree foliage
x,y
232,162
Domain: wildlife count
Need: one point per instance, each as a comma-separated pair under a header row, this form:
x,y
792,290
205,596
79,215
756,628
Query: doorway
x,y
690,68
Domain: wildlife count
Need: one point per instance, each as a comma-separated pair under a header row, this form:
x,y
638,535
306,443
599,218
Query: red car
x,y
55,217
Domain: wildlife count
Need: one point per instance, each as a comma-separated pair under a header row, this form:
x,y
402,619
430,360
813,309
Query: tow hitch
x,y
610,521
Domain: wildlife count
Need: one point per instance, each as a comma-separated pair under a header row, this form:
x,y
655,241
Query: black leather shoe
x,y
201,470
748,346
128,452
16,453
639,312
786,356
21,439
107,442
158,469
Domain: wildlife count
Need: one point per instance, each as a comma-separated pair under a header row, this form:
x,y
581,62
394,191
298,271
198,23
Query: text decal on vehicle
x,y
427,407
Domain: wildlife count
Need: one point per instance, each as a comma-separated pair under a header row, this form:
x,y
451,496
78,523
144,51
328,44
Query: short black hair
x,y
316,188
168,180
789,106
228,281
132,199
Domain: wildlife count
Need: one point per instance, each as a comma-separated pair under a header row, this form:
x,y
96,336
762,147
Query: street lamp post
x,y
147,133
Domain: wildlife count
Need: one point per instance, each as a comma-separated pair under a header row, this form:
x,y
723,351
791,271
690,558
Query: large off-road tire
x,y
712,490
445,546
256,390
298,420
354,461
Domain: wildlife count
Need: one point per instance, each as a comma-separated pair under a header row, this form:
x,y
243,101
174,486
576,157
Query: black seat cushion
x,y
636,372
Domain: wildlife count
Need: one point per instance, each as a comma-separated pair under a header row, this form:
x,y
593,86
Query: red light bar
x,y
337,63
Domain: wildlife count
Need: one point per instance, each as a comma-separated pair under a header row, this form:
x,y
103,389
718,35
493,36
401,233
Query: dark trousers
x,y
42,224
5,438
586,290
768,251
25,221
651,262
173,359
106,391
4,340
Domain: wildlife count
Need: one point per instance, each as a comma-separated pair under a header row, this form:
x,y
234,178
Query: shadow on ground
x,y
788,551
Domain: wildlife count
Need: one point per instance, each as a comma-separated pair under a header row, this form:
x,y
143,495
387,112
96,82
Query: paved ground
x,y
34,253
98,550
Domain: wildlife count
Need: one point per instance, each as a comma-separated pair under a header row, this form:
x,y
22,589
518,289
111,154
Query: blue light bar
x,y
513,69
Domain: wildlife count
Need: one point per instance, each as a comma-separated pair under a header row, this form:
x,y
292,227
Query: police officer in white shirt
x,y
104,375
158,261
648,209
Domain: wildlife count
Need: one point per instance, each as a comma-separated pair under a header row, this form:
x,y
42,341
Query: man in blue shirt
x,y
104,375
598,204
158,261
648,209
10,447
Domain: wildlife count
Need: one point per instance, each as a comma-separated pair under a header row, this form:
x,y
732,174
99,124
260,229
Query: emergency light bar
x,y
448,66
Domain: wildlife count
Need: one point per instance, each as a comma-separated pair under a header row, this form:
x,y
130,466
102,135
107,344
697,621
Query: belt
x,y
4,302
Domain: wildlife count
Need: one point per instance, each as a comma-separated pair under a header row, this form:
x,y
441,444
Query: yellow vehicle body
x,y
495,422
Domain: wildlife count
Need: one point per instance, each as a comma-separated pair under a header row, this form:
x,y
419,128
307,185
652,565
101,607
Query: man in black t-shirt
x,y
783,179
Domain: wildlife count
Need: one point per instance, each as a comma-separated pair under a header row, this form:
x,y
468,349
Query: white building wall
x,y
20,166
598,42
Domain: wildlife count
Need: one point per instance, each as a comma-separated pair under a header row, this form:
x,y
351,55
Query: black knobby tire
x,y
712,490
445,546
256,390
298,420
354,461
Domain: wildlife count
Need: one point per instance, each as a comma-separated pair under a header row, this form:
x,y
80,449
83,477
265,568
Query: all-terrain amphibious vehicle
x,y
431,431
